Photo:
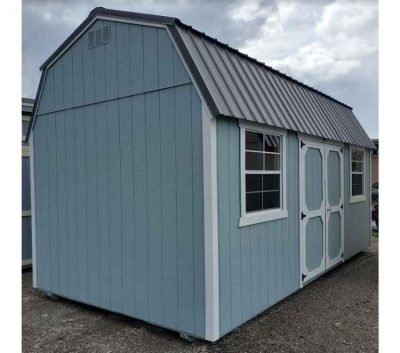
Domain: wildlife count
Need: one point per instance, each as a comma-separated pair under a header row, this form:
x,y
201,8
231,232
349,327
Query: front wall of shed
x,y
357,216
258,264
118,183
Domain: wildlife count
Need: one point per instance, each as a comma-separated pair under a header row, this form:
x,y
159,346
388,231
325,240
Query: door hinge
x,y
303,215
341,149
302,144
303,276
341,207
342,254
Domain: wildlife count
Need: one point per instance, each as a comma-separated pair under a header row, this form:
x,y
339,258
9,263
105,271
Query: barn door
x,y
334,205
312,209
321,208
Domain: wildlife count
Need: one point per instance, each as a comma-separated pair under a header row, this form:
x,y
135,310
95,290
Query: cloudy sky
x,y
331,45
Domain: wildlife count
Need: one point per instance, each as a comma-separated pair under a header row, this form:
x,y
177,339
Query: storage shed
x,y
183,183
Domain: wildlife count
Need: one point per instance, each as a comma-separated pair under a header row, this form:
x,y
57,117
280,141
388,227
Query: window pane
x,y
254,201
254,161
271,199
357,155
356,187
253,182
254,141
271,182
356,166
271,161
271,143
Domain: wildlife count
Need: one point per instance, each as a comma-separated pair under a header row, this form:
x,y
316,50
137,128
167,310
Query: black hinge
x,y
341,149
303,276
303,215
302,144
341,207
342,254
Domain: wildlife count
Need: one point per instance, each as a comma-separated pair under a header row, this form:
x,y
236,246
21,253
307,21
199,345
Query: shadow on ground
x,y
336,313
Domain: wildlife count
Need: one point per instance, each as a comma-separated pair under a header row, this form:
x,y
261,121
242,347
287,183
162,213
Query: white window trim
x,y
267,215
358,198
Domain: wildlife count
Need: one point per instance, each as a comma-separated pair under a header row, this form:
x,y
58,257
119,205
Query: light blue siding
x,y
120,182
357,216
258,264
136,60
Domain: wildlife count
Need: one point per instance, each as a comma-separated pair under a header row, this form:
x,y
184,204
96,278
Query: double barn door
x,y
321,208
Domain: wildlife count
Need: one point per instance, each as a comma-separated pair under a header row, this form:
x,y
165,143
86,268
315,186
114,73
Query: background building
x,y
27,106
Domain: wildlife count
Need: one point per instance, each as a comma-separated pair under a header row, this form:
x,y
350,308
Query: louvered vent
x,y
99,36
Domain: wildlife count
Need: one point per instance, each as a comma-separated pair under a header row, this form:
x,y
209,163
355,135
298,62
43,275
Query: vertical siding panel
x,y
103,182
234,212
58,85
67,79
128,199
271,262
81,204
152,102
168,197
246,273
71,202
53,214
46,103
180,73
77,74
278,236
150,58
185,210
62,202
254,269
123,65
88,71
223,232
99,66
114,165
165,52
110,53
263,267
136,58
92,205
140,187
198,213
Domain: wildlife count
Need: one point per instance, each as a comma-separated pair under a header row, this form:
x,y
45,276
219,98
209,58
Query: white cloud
x,y
247,11
317,43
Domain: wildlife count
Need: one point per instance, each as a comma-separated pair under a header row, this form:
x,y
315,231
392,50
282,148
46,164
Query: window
x,y
357,162
262,172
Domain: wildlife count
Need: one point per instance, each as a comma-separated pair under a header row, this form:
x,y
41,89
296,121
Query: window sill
x,y
261,217
356,199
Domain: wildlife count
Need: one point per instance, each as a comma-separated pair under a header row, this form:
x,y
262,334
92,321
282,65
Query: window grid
x,y
265,171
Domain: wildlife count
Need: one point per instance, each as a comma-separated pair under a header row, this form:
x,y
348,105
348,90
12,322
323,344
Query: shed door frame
x,y
324,146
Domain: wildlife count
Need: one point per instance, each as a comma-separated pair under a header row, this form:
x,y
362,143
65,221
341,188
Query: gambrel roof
x,y
238,86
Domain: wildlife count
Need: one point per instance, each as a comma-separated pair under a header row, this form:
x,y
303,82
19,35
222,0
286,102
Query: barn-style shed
x,y
183,183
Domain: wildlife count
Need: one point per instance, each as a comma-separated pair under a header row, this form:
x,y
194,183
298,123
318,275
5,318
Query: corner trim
x,y
212,332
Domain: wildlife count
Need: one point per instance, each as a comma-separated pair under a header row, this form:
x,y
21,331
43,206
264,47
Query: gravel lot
x,y
336,313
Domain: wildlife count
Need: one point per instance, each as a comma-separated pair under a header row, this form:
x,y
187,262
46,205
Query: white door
x,y
312,209
321,208
334,205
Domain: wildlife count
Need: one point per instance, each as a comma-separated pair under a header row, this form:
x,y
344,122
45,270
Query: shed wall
x,y
258,264
118,183
357,216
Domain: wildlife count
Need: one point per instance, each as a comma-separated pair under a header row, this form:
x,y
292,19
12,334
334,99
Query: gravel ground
x,y
336,313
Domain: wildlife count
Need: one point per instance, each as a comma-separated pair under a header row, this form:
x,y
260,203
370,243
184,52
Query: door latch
x,y
303,215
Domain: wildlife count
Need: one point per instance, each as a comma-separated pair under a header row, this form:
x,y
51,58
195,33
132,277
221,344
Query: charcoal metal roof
x,y
235,85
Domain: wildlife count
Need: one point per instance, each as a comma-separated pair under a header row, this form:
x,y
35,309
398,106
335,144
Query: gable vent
x,y
99,36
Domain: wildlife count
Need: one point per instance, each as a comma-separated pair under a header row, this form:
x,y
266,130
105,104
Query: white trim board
x,y
210,225
362,197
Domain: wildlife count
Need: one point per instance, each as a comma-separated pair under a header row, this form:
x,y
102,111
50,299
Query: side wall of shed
x,y
119,180
357,216
258,264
